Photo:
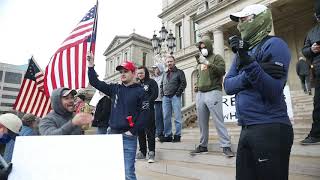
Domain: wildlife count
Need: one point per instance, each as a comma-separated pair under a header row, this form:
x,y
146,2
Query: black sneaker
x,y
228,152
165,139
176,138
310,141
199,150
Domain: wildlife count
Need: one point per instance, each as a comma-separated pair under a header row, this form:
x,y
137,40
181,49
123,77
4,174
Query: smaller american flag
x,y
31,97
68,66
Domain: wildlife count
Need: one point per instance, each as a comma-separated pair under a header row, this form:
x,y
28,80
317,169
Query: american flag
x,y
68,66
31,97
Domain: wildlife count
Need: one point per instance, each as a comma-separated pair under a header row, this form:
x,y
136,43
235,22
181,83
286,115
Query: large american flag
x,y
31,97
68,66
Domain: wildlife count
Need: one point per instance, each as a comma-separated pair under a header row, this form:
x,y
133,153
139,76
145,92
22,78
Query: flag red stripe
x,y
83,26
78,34
84,67
19,96
38,109
53,78
36,104
61,69
76,66
25,95
32,89
69,68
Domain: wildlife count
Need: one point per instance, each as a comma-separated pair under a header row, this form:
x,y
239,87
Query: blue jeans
x,y
169,104
102,130
159,118
129,152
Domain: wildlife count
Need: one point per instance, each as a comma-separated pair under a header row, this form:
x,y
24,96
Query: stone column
x,y
218,42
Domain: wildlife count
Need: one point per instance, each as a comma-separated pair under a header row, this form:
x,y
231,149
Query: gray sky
x,y
38,27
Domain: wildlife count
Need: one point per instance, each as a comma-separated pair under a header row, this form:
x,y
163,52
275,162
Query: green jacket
x,y
209,77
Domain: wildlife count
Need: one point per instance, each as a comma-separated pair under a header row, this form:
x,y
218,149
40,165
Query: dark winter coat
x,y
102,113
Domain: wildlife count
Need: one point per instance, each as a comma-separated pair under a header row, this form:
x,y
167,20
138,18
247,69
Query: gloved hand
x,y
237,44
203,60
274,69
4,173
240,47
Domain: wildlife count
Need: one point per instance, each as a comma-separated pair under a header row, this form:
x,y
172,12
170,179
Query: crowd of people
x,y
141,106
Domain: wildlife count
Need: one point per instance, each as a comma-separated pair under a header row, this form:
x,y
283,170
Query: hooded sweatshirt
x,y
210,76
126,101
158,79
150,87
58,121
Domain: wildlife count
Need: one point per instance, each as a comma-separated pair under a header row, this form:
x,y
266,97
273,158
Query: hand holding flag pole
x,y
90,59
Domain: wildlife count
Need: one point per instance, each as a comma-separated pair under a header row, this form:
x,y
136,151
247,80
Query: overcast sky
x,y
38,27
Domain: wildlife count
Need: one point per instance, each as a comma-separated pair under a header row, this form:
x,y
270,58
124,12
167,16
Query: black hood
x,y
146,73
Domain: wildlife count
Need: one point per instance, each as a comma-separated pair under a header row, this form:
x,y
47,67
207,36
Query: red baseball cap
x,y
128,65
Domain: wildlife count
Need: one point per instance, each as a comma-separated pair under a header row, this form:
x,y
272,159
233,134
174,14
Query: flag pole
x,y
94,31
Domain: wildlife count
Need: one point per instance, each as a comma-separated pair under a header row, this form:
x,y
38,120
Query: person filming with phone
x,y
311,50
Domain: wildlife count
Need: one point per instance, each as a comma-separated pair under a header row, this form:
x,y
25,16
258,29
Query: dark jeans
x,y
148,134
305,83
159,118
315,130
263,152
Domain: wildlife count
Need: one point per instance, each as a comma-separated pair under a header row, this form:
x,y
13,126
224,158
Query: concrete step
x,y
143,174
298,164
312,151
199,171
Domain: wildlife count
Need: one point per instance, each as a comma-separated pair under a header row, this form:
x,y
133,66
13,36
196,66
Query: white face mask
x,y
204,52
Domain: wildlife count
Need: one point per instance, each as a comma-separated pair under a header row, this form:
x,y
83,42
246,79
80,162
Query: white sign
x,y
94,157
229,108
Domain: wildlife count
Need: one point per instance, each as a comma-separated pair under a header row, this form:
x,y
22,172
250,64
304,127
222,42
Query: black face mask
x,y
4,138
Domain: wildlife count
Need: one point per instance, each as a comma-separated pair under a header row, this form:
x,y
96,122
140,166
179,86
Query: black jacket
x,y
102,113
150,87
312,37
174,85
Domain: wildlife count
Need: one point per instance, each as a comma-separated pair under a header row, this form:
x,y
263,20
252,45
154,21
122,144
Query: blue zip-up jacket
x,y
126,101
259,97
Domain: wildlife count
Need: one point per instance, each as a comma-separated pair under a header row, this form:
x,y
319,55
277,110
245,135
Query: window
x,y
125,56
8,97
11,89
144,58
1,72
207,5
111,67
7,104
195,36
179,35
118,61
11,77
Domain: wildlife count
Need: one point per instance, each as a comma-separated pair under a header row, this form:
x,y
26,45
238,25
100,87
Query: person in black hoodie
x,y
150,87
102,114
311,50
128,109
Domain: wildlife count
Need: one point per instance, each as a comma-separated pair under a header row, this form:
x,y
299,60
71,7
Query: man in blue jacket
x,y
257,77
128,107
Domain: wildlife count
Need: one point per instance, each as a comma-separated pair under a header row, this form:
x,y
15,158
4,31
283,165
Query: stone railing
x,y
189,115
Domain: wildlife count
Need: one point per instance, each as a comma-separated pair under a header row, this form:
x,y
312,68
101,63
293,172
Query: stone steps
x,y
175,159
154,175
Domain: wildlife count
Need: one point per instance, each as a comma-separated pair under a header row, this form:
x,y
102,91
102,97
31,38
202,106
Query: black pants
x,y
315,130
148,134
263,152
305,83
